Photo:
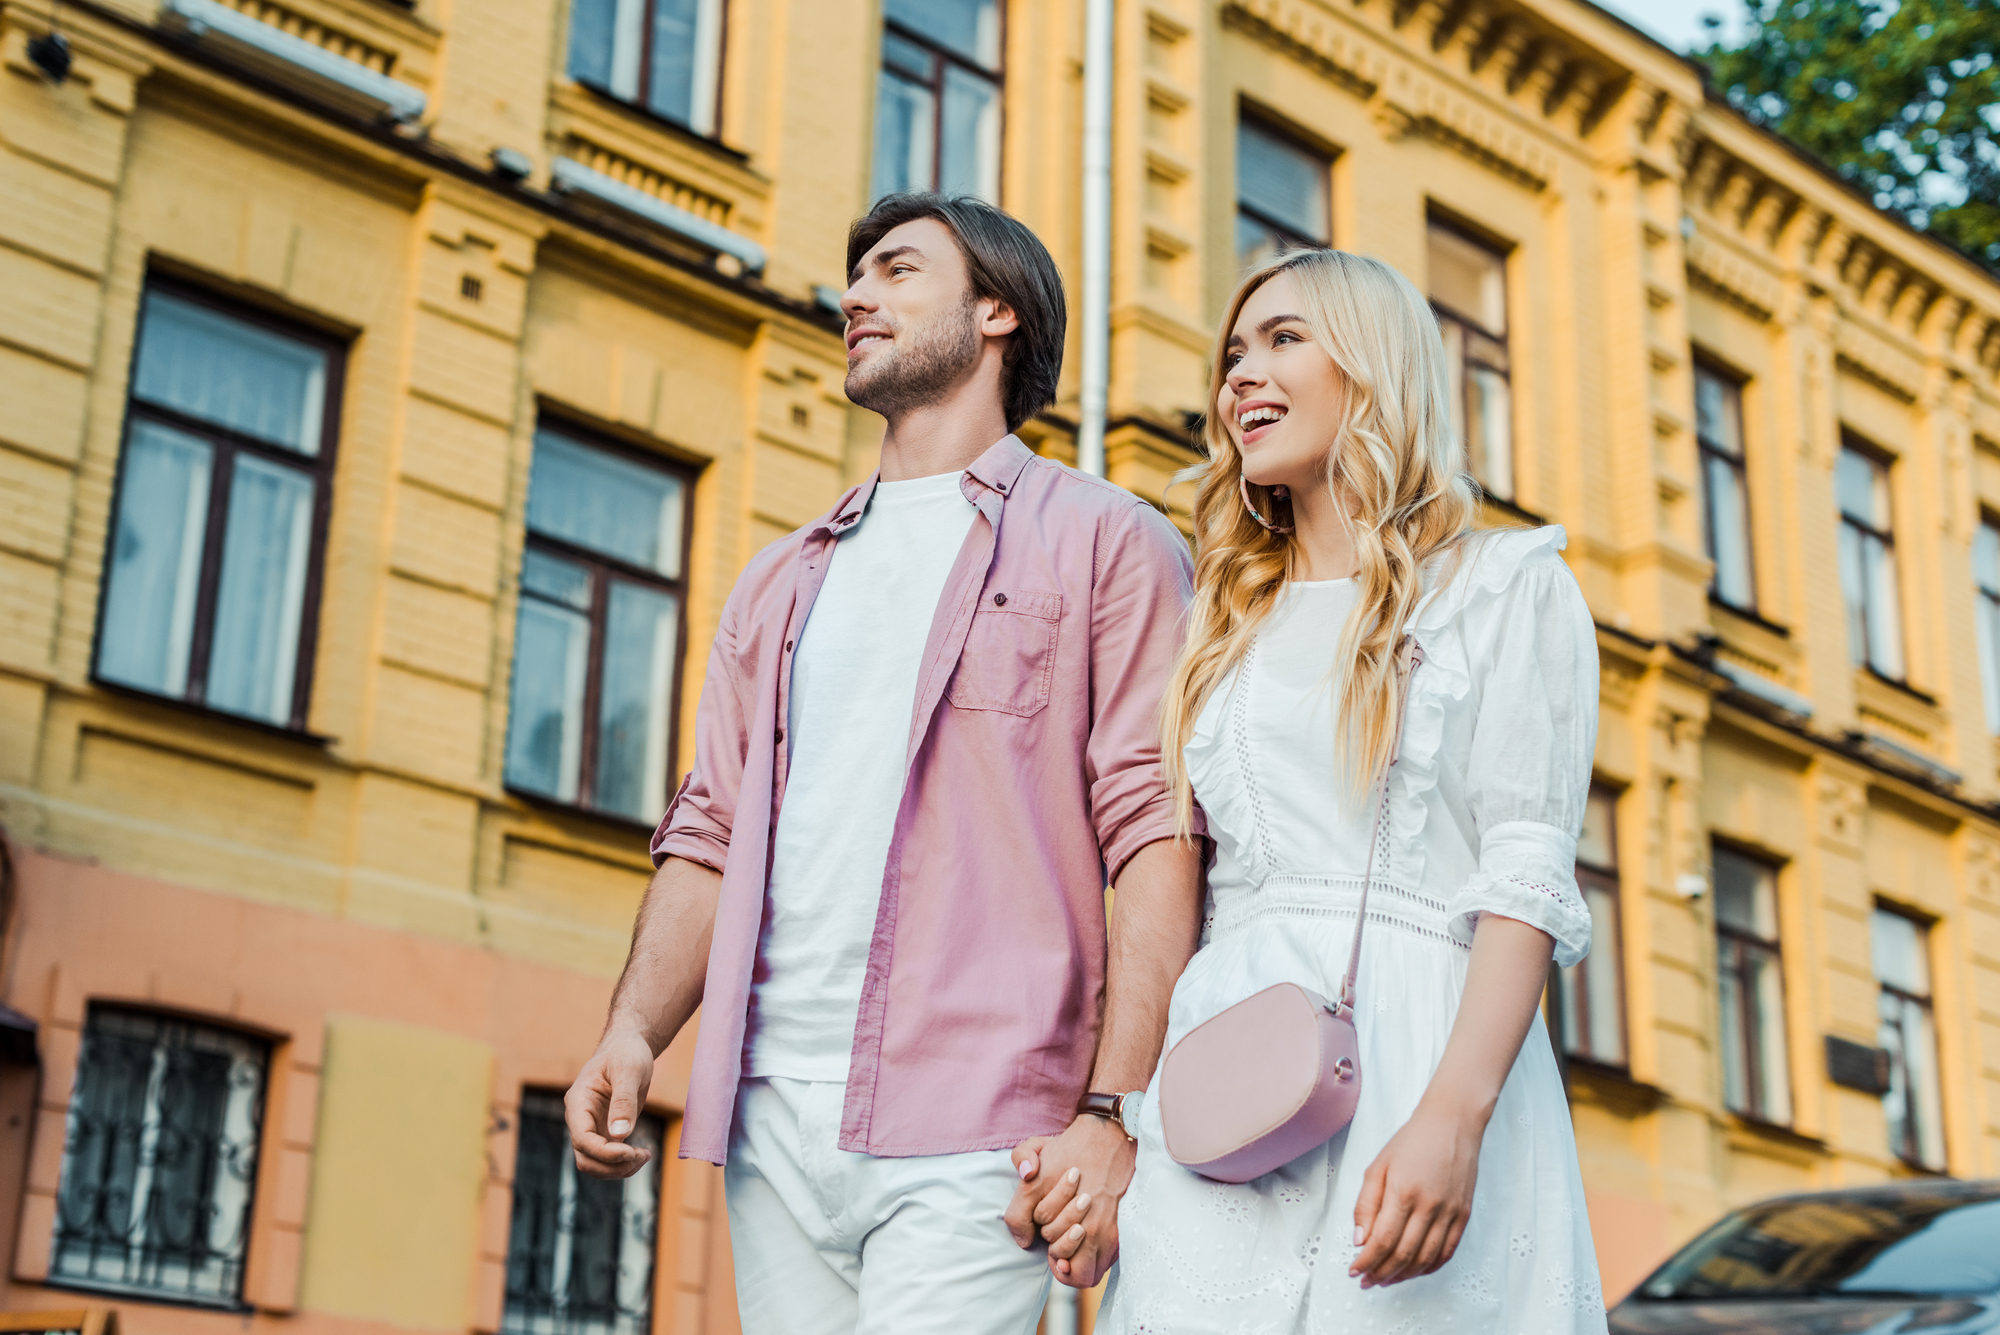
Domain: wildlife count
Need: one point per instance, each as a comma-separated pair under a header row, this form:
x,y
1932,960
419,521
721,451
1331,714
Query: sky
x,y
1677,23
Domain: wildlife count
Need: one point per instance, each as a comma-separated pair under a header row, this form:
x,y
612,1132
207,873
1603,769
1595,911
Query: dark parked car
x,y
1906,1257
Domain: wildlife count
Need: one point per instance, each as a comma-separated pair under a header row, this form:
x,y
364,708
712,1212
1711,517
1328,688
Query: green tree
x,y
1902,99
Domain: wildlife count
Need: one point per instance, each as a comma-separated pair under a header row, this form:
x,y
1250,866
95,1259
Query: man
x,y
927,735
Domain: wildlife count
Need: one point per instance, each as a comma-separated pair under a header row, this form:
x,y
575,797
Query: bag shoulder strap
x,y
1408,655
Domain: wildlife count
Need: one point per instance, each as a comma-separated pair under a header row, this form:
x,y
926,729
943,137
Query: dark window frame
x,y
1746,947
641,95
1504,253
1291,238
1887,537
1908,1152
226,444
1986,600
940,57
240,1265
1738,464
1602,877
662,1126
603,569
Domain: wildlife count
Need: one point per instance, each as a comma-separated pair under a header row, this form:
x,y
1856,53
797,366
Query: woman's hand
x,y
1416,1196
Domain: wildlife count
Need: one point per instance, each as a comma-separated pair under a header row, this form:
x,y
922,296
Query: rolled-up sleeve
x,y
697,822
1534,650
1141,591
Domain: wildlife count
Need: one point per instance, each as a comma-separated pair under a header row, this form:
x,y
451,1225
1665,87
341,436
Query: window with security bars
x,y
1282,195
212,574
1750,976
580,1250
1468,287
598,635
159,1159
1908,1033
1868,562
937,107
1590,994
1986,614
661,55
1718,416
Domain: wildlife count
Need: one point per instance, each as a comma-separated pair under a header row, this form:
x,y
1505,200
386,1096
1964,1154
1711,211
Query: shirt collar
x,y
998,469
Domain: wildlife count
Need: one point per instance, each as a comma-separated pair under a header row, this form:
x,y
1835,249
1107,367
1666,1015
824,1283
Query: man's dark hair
x,y
1007,262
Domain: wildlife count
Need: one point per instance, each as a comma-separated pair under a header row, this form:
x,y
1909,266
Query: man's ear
x,y
997,318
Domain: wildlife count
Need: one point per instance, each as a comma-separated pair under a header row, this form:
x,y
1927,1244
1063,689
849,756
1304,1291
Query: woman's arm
x,y
1417,1194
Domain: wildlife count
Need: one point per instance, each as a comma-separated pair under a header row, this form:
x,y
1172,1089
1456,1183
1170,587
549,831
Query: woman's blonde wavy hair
x,y
1393,455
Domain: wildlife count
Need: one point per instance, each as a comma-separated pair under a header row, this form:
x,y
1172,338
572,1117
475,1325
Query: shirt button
x,y
999,600
781,734
788,646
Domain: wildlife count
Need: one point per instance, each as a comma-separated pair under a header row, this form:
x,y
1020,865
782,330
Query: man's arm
x,y
656,995
1072,1183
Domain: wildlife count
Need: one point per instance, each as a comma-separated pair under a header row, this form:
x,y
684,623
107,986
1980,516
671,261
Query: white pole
x,y
1060,1317
1098,42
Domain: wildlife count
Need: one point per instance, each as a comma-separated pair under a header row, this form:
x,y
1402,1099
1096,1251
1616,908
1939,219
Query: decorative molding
x,y
1430,113
1712,269
1291,27
657,183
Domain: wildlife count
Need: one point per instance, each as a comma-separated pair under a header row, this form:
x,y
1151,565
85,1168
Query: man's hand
x,y
1070,1188
602,1107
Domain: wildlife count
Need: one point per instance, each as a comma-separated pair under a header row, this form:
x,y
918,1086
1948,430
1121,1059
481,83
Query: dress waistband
x,y
1299,895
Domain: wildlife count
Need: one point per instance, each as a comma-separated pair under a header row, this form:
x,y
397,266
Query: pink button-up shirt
x,y
1033,775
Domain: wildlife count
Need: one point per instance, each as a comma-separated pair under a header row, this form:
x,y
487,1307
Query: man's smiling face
x,y
912,319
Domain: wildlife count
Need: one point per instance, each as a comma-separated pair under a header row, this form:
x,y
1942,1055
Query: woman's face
x,y
1281,395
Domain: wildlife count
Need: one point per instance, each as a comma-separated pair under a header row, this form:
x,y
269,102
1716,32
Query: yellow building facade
x,y
458,357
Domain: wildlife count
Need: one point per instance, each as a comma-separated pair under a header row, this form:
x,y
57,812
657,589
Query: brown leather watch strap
x,y
1103,1105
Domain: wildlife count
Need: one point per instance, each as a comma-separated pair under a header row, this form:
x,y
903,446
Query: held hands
x,y
1070,1188
602,1107
1416,1196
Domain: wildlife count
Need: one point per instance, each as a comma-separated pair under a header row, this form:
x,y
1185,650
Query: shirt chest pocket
x,y
1009,655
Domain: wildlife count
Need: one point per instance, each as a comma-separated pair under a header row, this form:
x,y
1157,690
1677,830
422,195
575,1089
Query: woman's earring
x,y
1279,493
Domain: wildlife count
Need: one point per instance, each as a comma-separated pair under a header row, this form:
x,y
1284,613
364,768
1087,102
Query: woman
x,y
1333,516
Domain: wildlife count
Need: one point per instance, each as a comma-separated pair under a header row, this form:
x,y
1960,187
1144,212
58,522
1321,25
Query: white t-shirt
x,y
854,689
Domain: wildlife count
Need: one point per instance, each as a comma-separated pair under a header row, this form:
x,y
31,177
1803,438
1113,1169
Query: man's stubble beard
x,y
922,372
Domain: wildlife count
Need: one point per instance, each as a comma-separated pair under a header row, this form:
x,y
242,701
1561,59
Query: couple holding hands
x,y
940,719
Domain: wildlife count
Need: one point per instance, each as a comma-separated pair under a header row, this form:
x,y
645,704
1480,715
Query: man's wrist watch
x,y
1120,1108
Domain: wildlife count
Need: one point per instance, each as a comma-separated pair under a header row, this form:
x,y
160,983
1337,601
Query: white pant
x,y
831,1241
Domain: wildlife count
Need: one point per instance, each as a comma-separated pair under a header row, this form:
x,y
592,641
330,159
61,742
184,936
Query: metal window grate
x,y
580,1250
160,1160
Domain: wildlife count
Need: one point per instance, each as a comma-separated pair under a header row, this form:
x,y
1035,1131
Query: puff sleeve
x,y
1533,654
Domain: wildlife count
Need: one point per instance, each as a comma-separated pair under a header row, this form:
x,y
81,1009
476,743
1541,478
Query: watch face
x,y
1128,1112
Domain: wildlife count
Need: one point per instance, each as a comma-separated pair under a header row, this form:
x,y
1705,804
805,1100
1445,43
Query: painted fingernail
x,y
1075,1232
1073,1175
1083,1200
1360,1235
1027,1169
620,1127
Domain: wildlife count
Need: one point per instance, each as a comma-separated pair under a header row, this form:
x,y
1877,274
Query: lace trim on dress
x,y
1239,727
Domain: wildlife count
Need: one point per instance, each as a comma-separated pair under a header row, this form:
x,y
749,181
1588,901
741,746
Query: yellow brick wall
x,y
1647,223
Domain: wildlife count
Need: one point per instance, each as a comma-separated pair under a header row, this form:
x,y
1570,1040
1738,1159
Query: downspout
x,y
1098,41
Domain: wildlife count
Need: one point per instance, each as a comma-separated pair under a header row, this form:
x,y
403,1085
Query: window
x,y
159,1159
1986,615
663,55
1868,562
212,575
1751,977
1590,1000
1718,417
597,643
937,113
579,1249
1469,291
1901,948
1281,195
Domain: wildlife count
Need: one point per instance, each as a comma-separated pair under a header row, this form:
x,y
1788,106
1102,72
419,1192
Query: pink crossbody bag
x,y
1279,1072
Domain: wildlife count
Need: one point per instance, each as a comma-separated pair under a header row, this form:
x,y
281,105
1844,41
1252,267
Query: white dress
x,y
1484,809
